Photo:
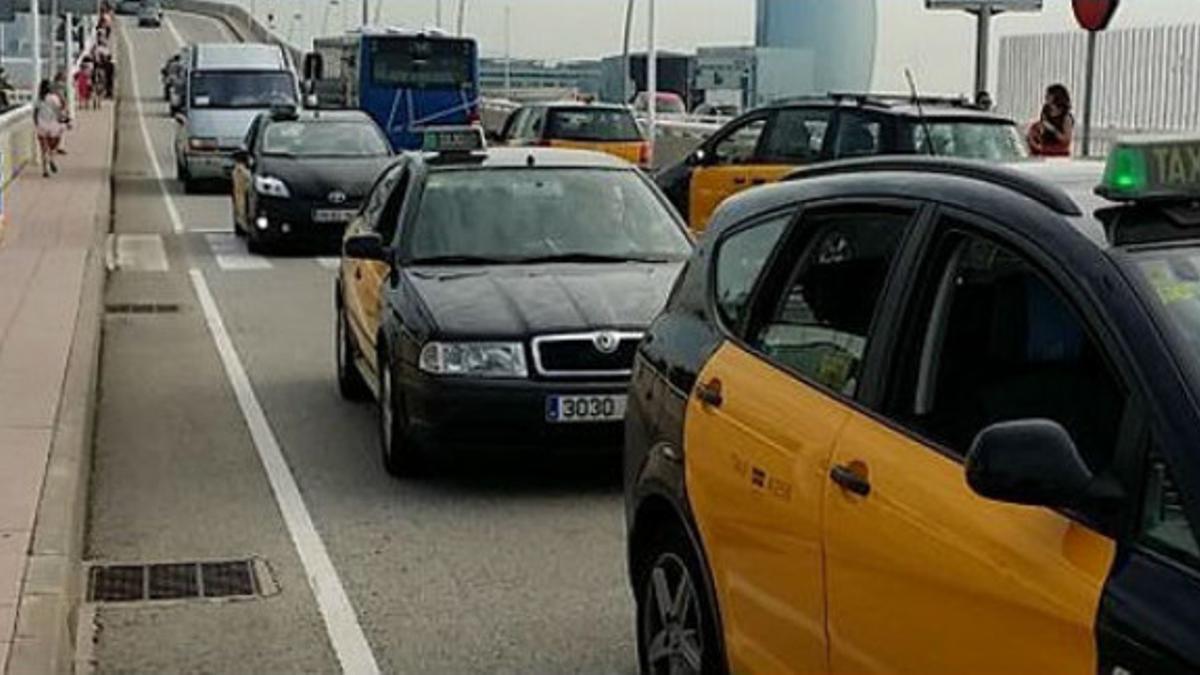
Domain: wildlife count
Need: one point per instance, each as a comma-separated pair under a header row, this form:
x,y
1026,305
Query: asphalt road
x,y
498,563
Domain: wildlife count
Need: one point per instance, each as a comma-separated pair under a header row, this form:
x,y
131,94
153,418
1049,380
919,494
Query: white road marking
x,y
349,642
329,263
141,253
210,229
231,254
341,624
176,221
174,31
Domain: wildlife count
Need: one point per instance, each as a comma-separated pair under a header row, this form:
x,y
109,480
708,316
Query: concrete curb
x,y
48,610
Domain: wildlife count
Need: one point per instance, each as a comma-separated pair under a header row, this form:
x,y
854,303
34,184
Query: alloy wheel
x,y
672,622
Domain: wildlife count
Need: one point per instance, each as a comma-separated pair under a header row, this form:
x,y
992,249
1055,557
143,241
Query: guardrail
x,y
16,145
239,21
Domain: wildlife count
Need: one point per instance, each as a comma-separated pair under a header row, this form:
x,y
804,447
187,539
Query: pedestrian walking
x,y
50,120
1051,134
60,87
83,82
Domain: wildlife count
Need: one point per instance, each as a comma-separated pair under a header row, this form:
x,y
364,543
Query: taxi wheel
x,y
401,457
676,627
350,380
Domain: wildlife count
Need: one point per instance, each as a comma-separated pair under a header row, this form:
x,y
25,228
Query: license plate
x,y
333,215
569,409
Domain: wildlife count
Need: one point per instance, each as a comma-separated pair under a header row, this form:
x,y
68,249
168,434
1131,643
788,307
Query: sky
x,y
937,46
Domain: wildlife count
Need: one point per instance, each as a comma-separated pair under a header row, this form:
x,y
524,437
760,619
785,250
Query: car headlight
x,y
477,359
271,186
207,144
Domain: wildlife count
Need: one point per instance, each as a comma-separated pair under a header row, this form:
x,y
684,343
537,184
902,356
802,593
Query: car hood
x,y
315,178
519,301
227,125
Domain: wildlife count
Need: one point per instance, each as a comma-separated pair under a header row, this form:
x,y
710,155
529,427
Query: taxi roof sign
x,y
453,139
1153,169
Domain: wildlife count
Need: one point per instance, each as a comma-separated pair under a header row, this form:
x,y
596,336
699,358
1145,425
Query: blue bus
x,y
405,80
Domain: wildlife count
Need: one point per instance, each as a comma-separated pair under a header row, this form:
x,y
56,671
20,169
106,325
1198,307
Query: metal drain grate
x,y
173,581
142,308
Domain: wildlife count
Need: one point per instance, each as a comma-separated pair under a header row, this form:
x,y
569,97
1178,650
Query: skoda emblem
x,y
606,342
337,197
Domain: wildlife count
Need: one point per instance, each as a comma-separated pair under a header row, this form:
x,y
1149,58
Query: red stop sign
x,y
1094,15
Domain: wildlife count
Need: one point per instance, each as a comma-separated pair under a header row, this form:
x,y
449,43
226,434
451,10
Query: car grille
x,y
578,354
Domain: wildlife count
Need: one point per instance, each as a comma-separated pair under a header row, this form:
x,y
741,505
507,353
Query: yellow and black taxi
x,y
601,127
496,297
766,144
931,416
302,175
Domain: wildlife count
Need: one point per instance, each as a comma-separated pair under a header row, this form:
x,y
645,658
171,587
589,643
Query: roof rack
x,y
1050,196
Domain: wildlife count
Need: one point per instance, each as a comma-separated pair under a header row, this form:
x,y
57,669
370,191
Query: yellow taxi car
x,y
930,416
572,125
769,143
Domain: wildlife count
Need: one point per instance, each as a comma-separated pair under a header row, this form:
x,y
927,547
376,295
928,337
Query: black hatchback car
x,y
767,144
496,297
926,415
301,176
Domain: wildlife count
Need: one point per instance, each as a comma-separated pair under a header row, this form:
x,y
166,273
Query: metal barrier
x,y
16,147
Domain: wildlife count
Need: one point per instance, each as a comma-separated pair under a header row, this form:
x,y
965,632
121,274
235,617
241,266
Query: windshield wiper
x,y
459,260
595,257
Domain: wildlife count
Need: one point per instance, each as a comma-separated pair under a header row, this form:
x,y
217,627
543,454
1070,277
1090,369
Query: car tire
x,y
401,456
256,245
351,384
670,640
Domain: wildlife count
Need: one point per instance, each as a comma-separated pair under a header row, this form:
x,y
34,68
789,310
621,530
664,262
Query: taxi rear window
x,y
596,124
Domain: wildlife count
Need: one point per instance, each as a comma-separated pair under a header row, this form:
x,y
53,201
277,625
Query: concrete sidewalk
x,y
51,277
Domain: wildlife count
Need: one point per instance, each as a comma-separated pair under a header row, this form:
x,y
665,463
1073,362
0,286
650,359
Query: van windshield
x,y
233,89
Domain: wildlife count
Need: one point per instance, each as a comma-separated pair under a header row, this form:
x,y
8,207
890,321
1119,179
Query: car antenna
x,y
916,97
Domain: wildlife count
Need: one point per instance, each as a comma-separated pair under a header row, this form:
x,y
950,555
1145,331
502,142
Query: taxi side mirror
x,y
368,246
1032,462
698,157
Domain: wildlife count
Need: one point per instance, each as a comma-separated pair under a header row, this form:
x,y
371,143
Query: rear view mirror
x,y
1032,462
365,247
314,66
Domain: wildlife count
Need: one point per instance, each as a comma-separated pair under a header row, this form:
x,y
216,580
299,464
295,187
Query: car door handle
x,y
358,272
709,393
739,181
758,181
848,479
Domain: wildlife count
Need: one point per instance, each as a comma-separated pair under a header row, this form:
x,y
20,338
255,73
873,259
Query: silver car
x,y
149,14
227,85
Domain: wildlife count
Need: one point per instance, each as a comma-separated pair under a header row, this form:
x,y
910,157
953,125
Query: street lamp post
x,y
983,46
625,76
508,51
35,12
652,81
462,16
366,17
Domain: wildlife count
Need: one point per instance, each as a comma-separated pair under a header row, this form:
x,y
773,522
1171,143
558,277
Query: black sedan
x,y
301,176
497,298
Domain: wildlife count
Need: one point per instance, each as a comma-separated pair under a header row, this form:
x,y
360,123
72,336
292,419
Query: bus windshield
x,y
422,63
236,89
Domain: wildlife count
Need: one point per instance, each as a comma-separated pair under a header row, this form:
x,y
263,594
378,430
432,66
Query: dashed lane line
x,y
141,253
231,255
329,263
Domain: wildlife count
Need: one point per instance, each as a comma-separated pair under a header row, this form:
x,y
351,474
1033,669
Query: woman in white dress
x,y
49,118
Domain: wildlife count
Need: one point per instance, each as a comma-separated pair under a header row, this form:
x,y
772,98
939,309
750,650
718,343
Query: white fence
x,y
1147,79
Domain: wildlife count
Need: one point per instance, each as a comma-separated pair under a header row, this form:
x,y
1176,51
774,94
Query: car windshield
x,y
242,89
970,139
324,139
597,124
527,215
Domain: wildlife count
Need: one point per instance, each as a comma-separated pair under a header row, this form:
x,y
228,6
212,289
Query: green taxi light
x,y
452,140
1159,168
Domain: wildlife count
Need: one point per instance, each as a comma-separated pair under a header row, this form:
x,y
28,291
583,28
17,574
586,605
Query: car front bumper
x,y
277,219
502,414
208,165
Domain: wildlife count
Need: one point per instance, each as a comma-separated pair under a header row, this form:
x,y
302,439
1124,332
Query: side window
x,y
512,126
535,121
390,217
379,194
739,146
1164,523
252,134
796,135
818,326
740,262
859,135
993,341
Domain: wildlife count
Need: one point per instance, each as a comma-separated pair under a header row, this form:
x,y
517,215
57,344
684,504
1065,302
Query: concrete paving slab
x,y
14,545
23,453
